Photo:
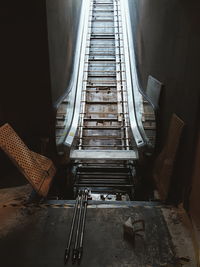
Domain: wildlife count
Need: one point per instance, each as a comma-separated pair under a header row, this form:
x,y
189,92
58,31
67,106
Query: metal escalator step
x,y
100,175
100,102
107,185
104,154
104,181
104,127
101,119
86,179
102,169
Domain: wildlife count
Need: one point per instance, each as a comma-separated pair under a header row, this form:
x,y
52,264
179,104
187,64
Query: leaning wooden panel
x,y
165,162
38,169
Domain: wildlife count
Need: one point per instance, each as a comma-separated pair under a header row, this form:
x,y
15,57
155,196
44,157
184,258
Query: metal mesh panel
x,y
36,168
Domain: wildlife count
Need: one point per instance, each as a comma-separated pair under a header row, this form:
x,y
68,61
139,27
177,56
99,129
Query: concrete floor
x,y
36,235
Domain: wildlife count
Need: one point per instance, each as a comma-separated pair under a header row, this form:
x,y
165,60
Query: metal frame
x,y
135,106
85,77
76,87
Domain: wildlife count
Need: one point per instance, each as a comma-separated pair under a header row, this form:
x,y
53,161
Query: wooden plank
x,y
165,162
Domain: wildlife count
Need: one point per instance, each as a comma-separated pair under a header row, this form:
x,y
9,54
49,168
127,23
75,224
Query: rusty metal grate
x,y
38,169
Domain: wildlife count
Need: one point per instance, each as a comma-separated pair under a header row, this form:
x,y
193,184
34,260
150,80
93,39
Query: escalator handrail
x,y
76,88
141,139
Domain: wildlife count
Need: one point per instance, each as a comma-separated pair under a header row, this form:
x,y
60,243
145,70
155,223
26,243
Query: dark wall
x,y
167,40
25,97
29,89
63,20
25,94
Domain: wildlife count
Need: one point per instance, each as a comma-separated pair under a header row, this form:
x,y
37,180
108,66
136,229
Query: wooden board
x,y
165,162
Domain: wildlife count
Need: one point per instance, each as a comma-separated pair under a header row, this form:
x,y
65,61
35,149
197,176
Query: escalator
x,y
106,134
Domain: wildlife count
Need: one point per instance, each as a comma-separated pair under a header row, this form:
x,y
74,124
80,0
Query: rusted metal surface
x,y
61,121
149,122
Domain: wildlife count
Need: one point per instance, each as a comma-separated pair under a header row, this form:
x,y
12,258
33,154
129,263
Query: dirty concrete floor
x,y
33,235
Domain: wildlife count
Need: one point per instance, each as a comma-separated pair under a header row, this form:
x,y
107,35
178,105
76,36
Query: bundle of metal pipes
x,y
78,222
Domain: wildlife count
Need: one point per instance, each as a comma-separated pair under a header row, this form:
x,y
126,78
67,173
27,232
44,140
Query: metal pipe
x,y
80,249
67,250
75,250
